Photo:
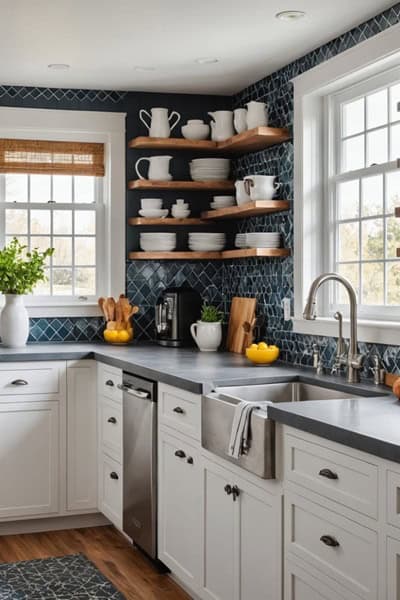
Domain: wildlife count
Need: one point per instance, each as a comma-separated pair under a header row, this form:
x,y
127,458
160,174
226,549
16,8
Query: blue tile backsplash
x,y
270,280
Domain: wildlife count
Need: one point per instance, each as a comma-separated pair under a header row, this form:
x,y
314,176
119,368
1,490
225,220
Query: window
x,y
363,192
62,184
346,187
59,211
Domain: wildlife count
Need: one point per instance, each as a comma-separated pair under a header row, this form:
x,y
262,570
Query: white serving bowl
x,y
195,129
224,200
151,202
180,214
211,162
153,213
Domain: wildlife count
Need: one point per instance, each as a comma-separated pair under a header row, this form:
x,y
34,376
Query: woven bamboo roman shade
x,y
51,158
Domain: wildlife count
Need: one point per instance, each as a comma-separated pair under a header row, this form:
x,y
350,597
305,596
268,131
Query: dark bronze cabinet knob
x,y
180,454
110,383
112,420
329,540
328,474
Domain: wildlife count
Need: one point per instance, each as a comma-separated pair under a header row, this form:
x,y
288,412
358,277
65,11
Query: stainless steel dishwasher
x,y
140,462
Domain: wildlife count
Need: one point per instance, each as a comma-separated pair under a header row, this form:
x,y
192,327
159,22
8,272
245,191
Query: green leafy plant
x,y
210,314
20,270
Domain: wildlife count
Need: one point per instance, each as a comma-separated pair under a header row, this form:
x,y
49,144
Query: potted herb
x,y
20,271
207,333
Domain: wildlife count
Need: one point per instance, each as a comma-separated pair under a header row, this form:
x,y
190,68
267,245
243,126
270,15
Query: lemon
x,y
110,335
123,335
262,346
254,346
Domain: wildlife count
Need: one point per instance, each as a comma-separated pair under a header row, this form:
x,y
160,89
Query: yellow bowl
x,y
264,356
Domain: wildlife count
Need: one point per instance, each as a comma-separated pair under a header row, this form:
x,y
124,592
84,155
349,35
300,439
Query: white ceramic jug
x,y
160,125
257,114
158,168
240,119
208,336
222,125
242,197
261,187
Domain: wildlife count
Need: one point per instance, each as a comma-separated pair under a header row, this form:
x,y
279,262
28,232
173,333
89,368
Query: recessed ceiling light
x,y
142,69
206,60
290,15
59,66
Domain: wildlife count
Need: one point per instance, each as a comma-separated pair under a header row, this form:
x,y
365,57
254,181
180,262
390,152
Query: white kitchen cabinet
x,y
81,436
110,489
180,503
242,537
29,458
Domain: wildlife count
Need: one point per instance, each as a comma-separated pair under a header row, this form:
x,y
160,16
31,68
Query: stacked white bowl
x,y
206,242
222,202
180,210
206,169
158,242
152,208
240,240
263,240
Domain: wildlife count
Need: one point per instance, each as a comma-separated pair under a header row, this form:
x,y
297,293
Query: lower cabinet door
x,y
179,512
393,568
242,537
110,489
29,459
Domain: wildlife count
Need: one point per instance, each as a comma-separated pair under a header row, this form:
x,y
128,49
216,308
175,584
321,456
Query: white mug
x,y
261,187
242,197
158,168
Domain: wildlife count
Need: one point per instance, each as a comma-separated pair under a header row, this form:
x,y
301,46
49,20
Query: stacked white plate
x,y
206,169
158,242
206,242
222,202
240,240
263,240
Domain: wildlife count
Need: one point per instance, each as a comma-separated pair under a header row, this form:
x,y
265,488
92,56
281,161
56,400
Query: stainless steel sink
x,y
217,416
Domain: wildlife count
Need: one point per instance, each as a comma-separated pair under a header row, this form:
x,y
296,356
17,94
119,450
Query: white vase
x,y
14,322
208,336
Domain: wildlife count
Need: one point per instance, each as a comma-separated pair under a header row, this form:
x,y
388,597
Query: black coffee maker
x,y
176,309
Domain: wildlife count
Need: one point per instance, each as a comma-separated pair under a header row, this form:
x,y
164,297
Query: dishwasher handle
x,y
134,391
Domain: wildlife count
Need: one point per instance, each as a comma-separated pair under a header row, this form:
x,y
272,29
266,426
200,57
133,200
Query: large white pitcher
x,y
257,114
159,122
158,168
222,125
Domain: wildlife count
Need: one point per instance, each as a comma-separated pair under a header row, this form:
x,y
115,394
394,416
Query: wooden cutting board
x,y
242,310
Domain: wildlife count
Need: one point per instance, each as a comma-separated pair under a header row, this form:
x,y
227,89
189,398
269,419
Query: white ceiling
x,y
103,40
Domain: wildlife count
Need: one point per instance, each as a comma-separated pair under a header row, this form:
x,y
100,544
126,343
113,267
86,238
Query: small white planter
x,y
208,336
14,322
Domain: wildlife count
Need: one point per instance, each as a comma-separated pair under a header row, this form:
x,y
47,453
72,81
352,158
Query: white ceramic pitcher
x,y
261,187
158,168
208,336
240,119
159,122
222,125
257,114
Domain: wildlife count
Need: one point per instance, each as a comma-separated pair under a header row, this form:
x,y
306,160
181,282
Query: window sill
x,y
373,332
60,311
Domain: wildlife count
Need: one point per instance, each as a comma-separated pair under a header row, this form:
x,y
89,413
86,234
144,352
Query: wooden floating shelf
x,y
248,141
251,209
199,186
168,221
225,254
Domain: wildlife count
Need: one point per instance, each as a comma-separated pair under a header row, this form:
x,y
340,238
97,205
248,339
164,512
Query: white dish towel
x,y
239,442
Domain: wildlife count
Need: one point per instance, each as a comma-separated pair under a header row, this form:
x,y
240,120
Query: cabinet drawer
x,y
393,498
111,490
305,584
26,379
108,379
180,409
110,415
336,546
333,474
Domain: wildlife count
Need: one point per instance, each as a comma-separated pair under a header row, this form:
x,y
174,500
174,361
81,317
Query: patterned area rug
x,y
64,578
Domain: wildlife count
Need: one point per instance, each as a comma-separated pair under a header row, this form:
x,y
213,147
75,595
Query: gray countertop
x,y
369,424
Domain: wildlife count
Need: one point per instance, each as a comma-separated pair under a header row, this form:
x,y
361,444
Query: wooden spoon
x,y
111,309
101,302
396,388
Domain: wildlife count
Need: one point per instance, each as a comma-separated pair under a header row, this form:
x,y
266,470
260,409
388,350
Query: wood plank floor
x,y
130,572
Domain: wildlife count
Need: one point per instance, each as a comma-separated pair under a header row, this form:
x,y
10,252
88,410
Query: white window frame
x,y
311,130
86,126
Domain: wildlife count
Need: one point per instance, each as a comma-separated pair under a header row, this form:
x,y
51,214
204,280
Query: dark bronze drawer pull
x,y
112,420
329,540
19,382
190,460
110,383
328,474
179,410
180,454
114,475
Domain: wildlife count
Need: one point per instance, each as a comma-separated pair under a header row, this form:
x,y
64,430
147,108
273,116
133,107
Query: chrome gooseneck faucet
x,y
354,359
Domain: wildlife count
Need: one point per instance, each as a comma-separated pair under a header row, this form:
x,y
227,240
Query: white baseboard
x,y
53,524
